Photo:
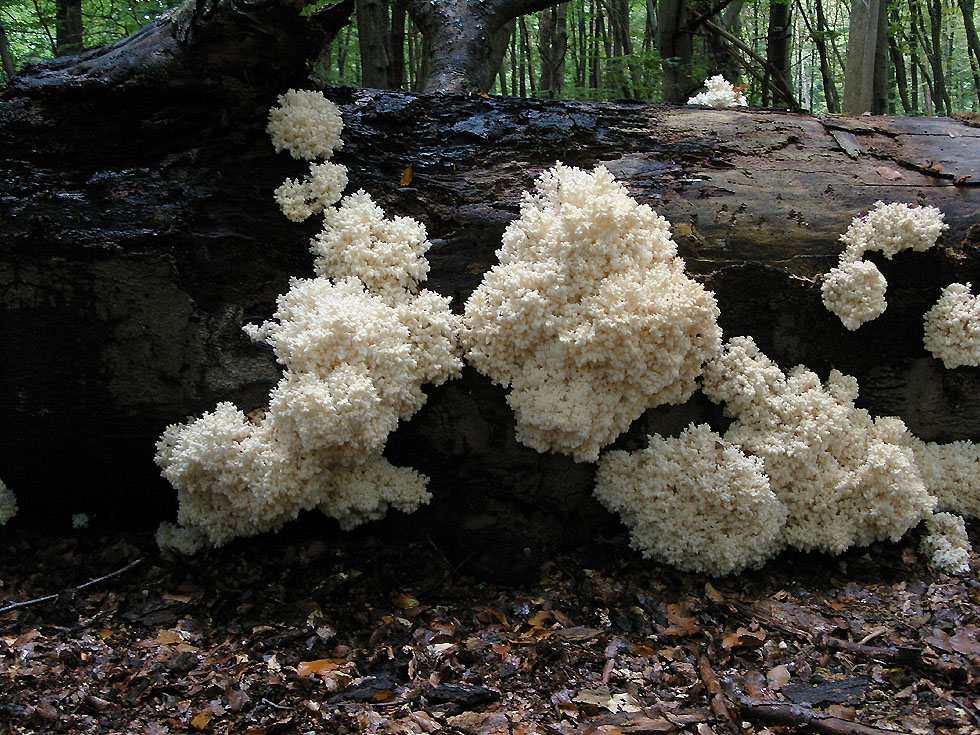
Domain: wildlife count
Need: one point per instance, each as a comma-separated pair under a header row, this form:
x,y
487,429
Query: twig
x,y
48,598
793,715
905,655
274,705
719,704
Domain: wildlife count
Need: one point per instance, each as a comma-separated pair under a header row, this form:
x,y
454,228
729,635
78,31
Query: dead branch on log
x,y
70,591
793,715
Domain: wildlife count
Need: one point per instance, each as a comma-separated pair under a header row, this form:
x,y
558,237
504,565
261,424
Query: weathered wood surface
x,y
138,231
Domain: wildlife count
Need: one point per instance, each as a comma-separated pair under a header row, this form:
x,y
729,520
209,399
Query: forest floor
x,y
291,633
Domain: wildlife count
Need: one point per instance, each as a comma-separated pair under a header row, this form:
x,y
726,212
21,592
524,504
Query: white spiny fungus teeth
x,y
298,200
891,228
589,318
952,327
845,478
696,502
951,472
720,93
306,124
386,255
947,544
855,291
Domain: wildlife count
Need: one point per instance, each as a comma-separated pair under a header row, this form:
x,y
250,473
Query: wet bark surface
x,y
139,232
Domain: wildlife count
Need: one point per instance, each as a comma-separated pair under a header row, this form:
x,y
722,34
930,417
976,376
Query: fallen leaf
x,y
319,667
680,621
965,641
168,637
713,594
406,602
406,177
541,618
578,633
201,720
842,711
744,638
777,677
888,173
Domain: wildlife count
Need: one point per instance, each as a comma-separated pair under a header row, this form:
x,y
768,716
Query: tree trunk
x,y
779,41
68,27
6,60
973,42
898,61
132,248
552,47
396,65
676,44
373,40
826,74
862,43
459,35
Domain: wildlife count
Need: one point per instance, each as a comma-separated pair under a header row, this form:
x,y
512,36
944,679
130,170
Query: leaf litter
x,y
297,634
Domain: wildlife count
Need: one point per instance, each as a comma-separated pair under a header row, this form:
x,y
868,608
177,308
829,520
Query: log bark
x,y
133,246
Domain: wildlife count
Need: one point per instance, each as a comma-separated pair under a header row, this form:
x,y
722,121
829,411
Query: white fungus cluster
x,y
589,318
846,479
855,289
720,93
951,472
947,544
386,255
306,124
8,504
301,198
357,343
952,327
892,228
696,502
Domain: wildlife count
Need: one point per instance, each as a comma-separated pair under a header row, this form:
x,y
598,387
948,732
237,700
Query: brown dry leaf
x,y
965,641
713,594
319,667
744,638
405,601
406,178
939,639
201,720
541,618
842,712
888,173
168,638
680,621
578,633
778,677
602,730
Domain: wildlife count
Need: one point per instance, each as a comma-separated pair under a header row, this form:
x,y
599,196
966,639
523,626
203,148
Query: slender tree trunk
x,y
779,43
373,39
552,47
898,61
826,73
940,94
973,42
68,27
676,44
6,59
525,40
862,44
396,44
880,94
498,51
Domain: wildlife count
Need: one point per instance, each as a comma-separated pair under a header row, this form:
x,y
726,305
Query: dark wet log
x,y
138,231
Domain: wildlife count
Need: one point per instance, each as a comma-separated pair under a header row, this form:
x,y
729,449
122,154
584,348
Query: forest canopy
x,y
909,58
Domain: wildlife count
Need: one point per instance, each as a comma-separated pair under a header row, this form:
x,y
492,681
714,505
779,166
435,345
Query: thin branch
x,y
48,598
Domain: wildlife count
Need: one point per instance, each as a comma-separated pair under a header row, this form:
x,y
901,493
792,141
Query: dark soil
x,y
297,633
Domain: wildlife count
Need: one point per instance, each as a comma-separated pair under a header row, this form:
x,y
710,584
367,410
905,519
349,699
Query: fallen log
x,y
138,233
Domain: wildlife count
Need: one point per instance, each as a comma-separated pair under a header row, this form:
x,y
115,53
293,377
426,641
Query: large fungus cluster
x,y
357,342
589,318
719,93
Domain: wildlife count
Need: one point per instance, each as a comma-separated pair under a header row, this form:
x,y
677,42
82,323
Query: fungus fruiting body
x,y
589,318
952,327
720,93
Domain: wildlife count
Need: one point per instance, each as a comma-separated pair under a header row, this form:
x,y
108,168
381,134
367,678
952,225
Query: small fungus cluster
x,y
720,93
855,289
